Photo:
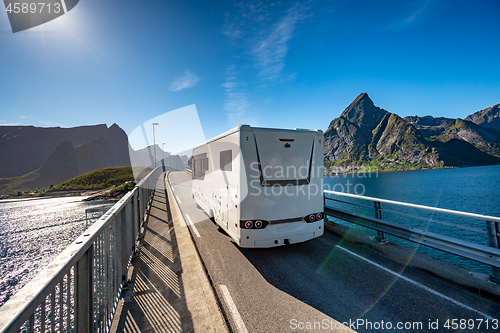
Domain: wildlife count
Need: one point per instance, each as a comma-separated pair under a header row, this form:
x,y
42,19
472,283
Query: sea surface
x,y
473,190
34,231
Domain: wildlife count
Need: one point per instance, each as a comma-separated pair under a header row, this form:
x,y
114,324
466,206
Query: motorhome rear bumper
x,y
266,239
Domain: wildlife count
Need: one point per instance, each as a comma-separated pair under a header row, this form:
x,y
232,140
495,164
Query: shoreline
x,y
91,195
350,172
358,171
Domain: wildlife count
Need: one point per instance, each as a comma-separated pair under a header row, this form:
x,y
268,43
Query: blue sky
x,y
271,64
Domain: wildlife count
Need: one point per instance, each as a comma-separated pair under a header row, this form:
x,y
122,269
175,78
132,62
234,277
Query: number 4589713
x,y
471,324
33,8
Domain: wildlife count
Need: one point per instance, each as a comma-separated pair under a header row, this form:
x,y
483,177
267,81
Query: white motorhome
x,y
263,186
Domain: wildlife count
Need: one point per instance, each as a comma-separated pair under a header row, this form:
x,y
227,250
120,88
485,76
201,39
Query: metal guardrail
x,y
99,209
489,255
78,291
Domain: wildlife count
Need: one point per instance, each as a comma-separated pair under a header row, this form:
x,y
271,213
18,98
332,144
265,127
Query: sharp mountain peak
x,y
362,111
366,135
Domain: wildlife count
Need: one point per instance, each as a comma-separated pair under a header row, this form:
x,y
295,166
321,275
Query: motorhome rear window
x,y
226,160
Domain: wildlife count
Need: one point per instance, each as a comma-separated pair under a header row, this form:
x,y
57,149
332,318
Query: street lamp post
x,y
154,141
163,149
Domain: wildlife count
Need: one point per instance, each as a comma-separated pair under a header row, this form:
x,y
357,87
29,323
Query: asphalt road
x,y
287,288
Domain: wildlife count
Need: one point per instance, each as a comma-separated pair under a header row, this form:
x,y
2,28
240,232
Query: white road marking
x,y
240,325
190,222
178,200
432,291
182,222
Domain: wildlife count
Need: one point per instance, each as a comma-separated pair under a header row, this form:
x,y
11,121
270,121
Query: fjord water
x,y
471,189
33,232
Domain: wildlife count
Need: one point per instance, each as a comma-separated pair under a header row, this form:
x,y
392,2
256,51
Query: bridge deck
x,y
169,290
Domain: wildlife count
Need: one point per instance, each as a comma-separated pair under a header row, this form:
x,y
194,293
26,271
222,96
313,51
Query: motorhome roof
x,y
249,128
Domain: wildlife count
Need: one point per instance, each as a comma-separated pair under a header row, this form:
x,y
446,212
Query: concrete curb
x,y
200,297
472,281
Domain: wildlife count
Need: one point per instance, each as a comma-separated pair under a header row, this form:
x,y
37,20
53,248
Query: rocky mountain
x,y
25,148
69,158
61,165
366,136
108,150
487,118
445,129
74,151
429,121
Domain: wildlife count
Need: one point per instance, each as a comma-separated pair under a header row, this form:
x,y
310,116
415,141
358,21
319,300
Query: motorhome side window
x,y
200,166
226,160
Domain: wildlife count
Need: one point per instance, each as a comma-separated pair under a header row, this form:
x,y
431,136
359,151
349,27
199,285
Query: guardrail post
x,y
127,229
142,205
378,214
84,292
136,212
324,205
493,241
120,247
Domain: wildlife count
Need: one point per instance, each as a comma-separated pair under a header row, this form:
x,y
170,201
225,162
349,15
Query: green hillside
x,y
19,184
100,179
94,180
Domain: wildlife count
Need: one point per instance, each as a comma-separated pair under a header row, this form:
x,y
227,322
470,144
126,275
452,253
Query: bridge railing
x,y
78,291
489,255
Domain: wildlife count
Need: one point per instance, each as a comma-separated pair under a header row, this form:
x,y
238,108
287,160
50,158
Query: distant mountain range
x,y
32,157
144,157
366,137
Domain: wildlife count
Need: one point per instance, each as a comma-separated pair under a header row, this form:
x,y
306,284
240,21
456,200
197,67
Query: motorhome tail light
x,y
253,224
314,217
287,140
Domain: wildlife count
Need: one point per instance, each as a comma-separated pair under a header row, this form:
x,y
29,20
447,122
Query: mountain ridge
x,y
487,118
72,154
366,137
24,149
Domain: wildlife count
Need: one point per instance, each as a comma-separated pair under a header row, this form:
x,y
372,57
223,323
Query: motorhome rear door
x,y
284,157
